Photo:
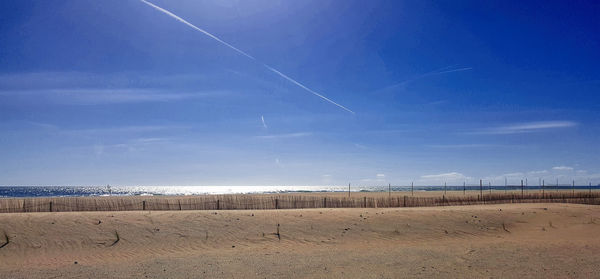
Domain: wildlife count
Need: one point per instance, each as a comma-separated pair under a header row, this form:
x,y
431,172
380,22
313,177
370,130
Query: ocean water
x,y
81,191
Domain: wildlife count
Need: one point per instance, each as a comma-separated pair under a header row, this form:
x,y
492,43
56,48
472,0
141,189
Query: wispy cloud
x,y
94,96
115,80
122,129
514,174
449,175
527,127
360,146
563,168
462,146
244,54
131,145
379,177
142,133
285,136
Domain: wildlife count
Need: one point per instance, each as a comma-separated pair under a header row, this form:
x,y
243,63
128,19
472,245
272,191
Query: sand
x,y
483,241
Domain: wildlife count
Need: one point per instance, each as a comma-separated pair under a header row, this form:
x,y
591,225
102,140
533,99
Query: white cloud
x,y
380,175
450,175
513,174
284,136
527,127
93,96
460,146
120,130
562,168
360,146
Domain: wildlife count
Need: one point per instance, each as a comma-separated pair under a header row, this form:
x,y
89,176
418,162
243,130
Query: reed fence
x,y
289,201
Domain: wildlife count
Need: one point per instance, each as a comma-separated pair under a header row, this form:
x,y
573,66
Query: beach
x,y
493,241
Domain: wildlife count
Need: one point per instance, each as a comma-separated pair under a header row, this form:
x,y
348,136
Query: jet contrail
x,y
198,29
306,88
440,71
245,54
452,71
262,118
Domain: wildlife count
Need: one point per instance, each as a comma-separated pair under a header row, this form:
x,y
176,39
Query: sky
x,y
266,92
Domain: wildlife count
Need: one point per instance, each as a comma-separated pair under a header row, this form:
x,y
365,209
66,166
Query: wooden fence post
x,y
50,206
276,203
325,202
481,189
179,202
521,188
365,202
404,201
218,204
143,205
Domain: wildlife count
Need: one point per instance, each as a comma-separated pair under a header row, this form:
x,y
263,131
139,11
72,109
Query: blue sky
x,y
117,92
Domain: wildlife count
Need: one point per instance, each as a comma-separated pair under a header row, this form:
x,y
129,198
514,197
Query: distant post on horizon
x,y
464,188
573,187
444,187
348,189
490,186
390,189
481,189
505,184
522,188
412,188
543,186
557,185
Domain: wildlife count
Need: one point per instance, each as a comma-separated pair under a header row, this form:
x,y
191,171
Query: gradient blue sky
x,y
99,92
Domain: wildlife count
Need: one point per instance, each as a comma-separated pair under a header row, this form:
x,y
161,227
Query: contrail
x,y
306,88
444,70
198,29
245,54
440,71
452,71
262,118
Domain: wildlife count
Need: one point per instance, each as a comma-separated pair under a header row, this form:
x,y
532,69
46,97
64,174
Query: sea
x,y
106,190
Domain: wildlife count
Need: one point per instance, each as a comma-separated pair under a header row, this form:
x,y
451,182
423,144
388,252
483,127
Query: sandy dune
x,y
499,241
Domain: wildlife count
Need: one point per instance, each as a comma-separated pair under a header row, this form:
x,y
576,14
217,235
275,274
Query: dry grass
x,y
284,201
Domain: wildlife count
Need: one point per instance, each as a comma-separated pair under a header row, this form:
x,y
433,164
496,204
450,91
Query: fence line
x,y
232,202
